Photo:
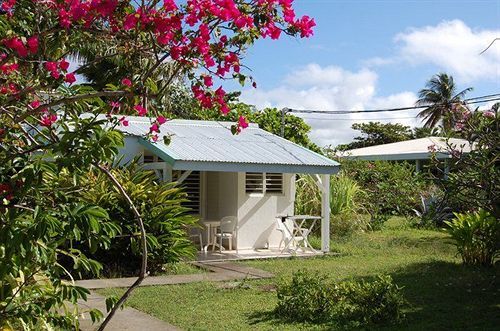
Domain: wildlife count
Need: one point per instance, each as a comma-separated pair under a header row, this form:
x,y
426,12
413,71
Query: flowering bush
x,y
474,178
45,48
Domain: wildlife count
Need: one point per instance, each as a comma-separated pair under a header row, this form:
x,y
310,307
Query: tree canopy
x,y
376,133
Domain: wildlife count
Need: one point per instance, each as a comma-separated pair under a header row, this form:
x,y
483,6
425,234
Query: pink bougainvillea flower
x,y
225,109
64,18
242,122
7,68
50,66
70,78
123,121
126,82
115,104
220,92
17,45
154,128
32,44
35,104
55,74
207,80
63,64
130,21
154,138
48,119
161,120
140,110
7,5
489,114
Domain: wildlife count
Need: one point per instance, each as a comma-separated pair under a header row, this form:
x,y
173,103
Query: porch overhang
x,y
169,156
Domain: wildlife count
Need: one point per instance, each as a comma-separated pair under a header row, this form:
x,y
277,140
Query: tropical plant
x,y
308,297
345,195
477,237
441,98
166,220
49,122
433,211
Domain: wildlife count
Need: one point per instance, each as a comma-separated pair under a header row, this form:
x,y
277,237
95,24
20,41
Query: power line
x,y
358,119
484,96
475,100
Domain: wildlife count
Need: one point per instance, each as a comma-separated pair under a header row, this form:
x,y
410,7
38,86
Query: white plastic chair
x,y
197,234
226,230
287,236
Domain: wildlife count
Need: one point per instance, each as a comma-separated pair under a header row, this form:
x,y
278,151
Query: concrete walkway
x,y
125,319
132,319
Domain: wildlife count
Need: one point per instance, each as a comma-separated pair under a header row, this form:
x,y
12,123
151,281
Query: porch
x,y
252,254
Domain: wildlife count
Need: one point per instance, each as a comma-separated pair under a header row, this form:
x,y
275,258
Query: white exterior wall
x,y
257,214
221,194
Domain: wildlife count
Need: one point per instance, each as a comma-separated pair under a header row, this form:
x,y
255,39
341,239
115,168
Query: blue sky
x,y
375,54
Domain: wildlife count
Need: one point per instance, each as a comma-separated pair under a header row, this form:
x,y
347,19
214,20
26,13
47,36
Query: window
x,y
268,182
191,186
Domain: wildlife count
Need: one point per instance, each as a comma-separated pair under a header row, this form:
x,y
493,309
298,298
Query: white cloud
x,y
453,47
332,88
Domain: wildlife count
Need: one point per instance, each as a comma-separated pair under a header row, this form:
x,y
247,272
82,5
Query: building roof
x,y
415,149
210,146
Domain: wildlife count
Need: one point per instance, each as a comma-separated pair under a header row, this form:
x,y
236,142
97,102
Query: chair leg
x,y
220,247
214,240
230,243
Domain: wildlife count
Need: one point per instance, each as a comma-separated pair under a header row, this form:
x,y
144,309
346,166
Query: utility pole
x,y
283,113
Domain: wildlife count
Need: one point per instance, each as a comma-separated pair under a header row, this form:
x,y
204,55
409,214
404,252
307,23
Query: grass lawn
x,y
442,294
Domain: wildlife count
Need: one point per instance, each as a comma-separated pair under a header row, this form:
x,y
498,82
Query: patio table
x,y
299,221
210,228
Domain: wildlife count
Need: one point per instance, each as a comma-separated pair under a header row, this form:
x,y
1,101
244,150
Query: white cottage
x,y
250,175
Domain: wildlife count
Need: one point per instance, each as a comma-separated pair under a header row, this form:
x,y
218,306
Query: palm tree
x,y
440,97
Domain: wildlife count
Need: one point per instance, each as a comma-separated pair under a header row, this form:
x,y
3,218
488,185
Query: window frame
x,y
263,183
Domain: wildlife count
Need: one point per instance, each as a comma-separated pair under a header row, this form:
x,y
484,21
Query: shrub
x,y
311,298
477,237
165,218
391,188
346,224
304,298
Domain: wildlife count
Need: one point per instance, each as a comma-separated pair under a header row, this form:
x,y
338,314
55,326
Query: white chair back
x,y
228,224
280,226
